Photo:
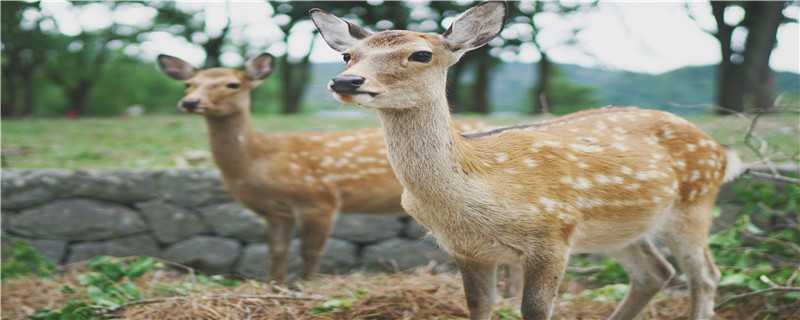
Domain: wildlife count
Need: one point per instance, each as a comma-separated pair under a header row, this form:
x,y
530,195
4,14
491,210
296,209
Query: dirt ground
x,y
418,295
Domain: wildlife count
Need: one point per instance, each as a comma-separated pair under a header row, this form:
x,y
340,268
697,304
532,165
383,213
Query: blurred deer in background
x,y
606,180
302,178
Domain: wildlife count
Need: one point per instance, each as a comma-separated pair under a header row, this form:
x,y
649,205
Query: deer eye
x,y
421,56
232,85
187,85
346,57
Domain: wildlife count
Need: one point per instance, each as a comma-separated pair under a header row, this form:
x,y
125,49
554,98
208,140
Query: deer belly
x,y
602,235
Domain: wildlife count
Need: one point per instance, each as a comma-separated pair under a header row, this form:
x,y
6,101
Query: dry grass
x,y
417,295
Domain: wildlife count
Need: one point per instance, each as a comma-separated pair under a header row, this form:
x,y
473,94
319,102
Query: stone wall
x,y
183,216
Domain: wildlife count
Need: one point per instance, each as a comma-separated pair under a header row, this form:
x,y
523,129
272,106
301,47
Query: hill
x,y
685,90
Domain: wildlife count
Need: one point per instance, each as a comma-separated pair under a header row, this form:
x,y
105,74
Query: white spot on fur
x,y
633,186
585,148
601,179
582,183
529,162
691,147
500,157
627,170
549,204
619,146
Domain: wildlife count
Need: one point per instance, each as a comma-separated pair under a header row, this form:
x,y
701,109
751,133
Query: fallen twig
x,y
209,297
754,293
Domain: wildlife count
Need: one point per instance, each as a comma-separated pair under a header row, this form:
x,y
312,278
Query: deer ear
x,y
259,67
476,27
175,67
339,34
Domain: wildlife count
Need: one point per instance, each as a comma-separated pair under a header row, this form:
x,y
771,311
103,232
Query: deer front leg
x,y
315,228
479,286
279,236
543,273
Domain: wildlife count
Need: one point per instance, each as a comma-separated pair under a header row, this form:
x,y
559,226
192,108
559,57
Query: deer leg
x,y
479,286
514,280
543,274
648,272
687,241
314,231
279,236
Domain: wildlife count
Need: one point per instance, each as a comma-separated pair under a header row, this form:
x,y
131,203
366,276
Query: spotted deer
x,y
302,179
607,180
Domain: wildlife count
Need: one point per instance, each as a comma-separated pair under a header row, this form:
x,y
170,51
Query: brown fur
x,y
293,178
604,180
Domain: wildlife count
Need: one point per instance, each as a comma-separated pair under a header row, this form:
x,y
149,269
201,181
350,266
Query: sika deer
x,y
292,178
605,180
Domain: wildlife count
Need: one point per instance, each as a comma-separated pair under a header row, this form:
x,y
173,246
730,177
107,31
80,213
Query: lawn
x,y
162,141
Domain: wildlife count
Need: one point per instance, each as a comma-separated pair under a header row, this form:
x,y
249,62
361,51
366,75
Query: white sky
x,y
636,36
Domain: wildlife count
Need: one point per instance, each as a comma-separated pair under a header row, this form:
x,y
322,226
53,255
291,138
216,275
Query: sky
x,y
652,37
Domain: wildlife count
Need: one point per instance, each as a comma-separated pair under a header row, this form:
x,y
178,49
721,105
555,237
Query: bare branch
x,y
755,293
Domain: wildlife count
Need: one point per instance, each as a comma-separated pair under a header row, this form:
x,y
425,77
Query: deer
x,y
607,181
299,179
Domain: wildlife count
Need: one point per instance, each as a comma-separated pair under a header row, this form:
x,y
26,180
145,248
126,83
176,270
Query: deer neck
x,y
425,150
229,138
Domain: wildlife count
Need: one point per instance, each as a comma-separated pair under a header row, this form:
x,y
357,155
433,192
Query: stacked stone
x,y
183,216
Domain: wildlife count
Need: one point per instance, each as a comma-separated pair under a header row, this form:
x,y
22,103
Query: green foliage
x,y
24,260
761,249
333,305
567,96
507,313
109,283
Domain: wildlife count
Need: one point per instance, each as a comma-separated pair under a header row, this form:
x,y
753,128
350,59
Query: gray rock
x,y
171,223
53,250
210,254
138,245
234,221
254,261
120,186
77,219
363,228
192,188
339,257
402,254
414,230
23,189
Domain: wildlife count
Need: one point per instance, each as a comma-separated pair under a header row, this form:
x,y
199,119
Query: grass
x,y
157,141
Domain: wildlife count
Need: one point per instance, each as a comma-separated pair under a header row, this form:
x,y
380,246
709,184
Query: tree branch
x,y
755,293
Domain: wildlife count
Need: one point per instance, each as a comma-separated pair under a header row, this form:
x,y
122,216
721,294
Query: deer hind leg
x,y
543,274
479,280
279,236
315,228
687,238
648,272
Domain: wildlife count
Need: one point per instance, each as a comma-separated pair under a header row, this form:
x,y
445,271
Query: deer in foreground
x,y
302,179
607,180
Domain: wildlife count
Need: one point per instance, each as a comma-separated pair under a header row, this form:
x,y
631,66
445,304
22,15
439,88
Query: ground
x,y
165,141
419,294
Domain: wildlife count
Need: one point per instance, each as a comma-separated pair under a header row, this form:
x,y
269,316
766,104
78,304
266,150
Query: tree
x,y
23,58
295,73
744,74
527,12
186,24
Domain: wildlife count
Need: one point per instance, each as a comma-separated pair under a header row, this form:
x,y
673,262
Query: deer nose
x,y
190,104
346,83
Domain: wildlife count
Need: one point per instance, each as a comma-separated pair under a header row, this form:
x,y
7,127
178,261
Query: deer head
x,y
216,91
400,69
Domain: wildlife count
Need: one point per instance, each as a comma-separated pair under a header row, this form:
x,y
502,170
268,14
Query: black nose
x,y
346,83
190,104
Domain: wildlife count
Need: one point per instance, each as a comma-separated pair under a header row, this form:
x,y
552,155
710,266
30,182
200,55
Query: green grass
x,y
155,141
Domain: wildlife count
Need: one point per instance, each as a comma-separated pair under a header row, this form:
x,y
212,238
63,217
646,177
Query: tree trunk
x,y
729,83
29,92
541,92
9,107
480,88
78,98
763,19
288,103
